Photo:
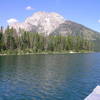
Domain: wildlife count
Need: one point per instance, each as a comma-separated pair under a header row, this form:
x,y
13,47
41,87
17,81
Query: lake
x,y
49,77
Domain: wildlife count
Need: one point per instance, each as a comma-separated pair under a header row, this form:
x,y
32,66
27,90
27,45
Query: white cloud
x,y
29,8
12,20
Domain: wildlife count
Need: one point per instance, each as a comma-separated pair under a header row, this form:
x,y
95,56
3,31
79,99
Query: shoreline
x,y
45,53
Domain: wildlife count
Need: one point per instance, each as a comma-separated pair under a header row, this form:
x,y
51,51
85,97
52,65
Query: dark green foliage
x,y
1,41
34,42
2,44
10,38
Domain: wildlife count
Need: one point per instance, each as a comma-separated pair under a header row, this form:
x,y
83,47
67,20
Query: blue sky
x,y
86,12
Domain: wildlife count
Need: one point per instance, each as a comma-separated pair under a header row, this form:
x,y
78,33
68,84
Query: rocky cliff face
x,y
40,22
75,29
54,24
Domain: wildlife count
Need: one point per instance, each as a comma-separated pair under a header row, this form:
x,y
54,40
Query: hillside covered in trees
x,y
29,42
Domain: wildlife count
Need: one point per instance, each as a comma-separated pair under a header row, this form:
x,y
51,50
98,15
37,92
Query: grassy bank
x,y
30,51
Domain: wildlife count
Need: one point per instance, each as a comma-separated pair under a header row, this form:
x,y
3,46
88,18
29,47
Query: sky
x,y
86,12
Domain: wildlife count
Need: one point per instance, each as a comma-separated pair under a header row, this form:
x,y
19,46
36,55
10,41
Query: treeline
x,y
10,40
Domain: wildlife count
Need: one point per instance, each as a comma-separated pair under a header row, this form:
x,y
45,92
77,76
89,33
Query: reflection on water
x,y
48,77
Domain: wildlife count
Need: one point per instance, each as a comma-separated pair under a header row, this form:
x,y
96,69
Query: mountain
x,y
40,22
73,28
54,24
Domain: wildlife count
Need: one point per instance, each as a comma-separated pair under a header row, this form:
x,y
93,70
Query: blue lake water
x,y
49,77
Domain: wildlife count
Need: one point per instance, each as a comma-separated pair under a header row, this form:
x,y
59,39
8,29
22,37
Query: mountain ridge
x,y
43,21
54,24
